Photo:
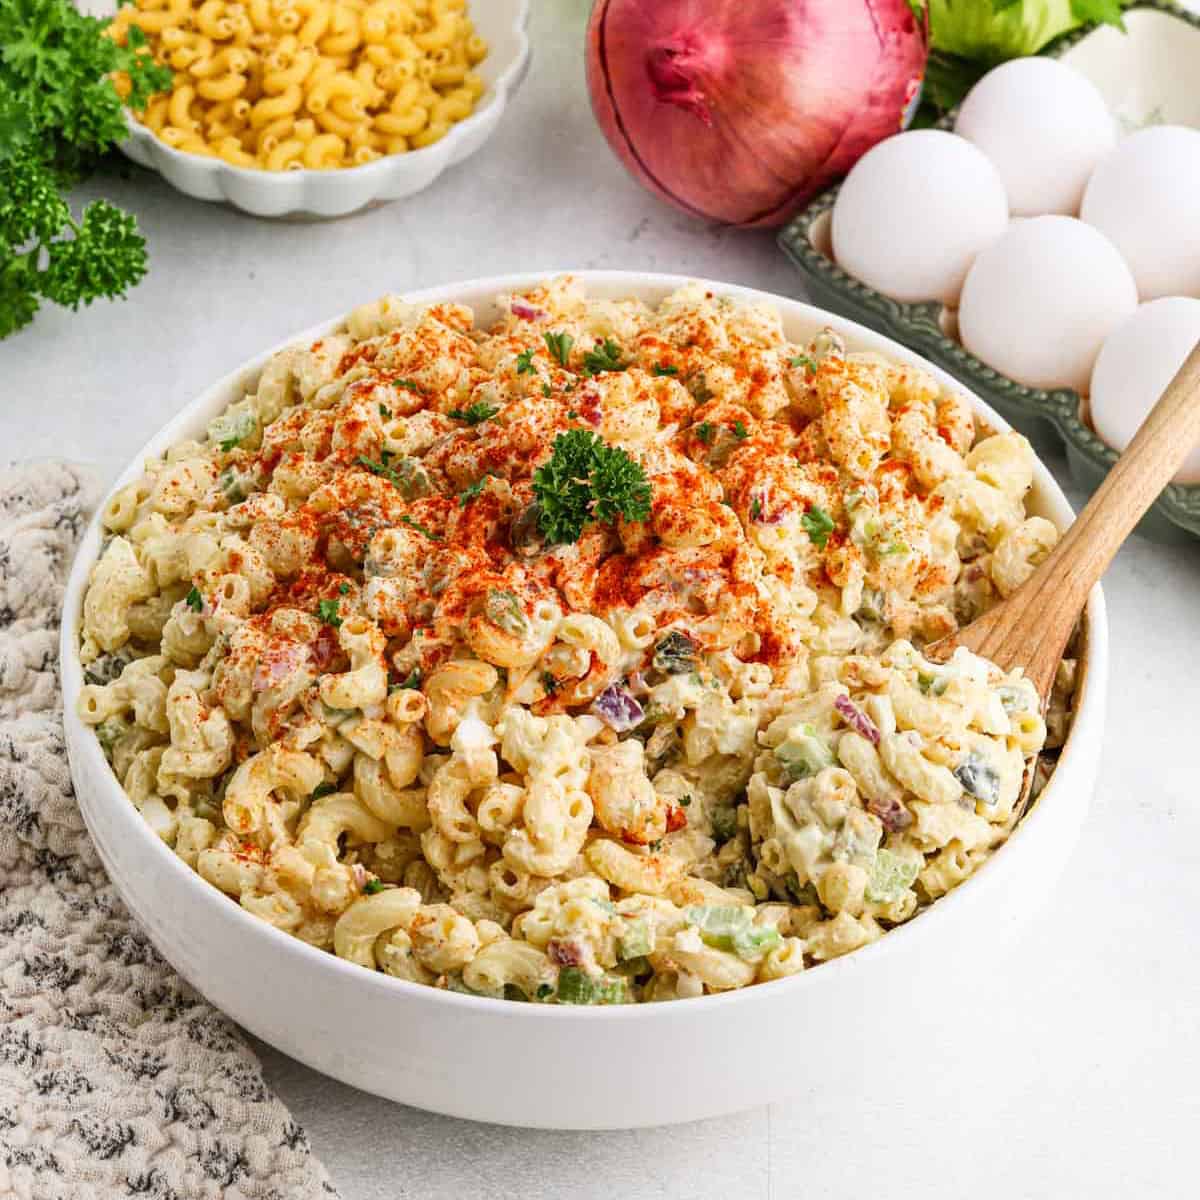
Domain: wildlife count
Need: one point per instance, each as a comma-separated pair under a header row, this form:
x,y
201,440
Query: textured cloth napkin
x,y
116,1078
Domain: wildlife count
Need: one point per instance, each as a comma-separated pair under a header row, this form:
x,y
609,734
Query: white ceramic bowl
x,y
337,193
835,1026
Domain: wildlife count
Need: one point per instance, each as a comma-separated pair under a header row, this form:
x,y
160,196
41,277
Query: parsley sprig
x,y
59,111
587,480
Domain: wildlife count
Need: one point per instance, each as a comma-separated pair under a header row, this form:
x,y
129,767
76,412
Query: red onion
x,y
526,312
742,110
618,709
857,719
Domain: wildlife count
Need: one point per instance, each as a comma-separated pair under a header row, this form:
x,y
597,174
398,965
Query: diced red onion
x,y
617,708
526,311
857,719
891,812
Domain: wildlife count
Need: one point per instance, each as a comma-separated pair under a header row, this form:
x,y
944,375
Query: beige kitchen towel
x,y
116,1078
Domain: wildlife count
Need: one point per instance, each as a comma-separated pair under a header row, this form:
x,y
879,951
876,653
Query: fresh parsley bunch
x,y
59,111
587,480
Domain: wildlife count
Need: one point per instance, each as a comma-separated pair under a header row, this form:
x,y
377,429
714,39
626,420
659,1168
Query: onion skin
x,y
740,111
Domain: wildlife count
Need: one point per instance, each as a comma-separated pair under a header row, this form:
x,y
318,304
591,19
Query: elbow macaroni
x,y
338,670
282,85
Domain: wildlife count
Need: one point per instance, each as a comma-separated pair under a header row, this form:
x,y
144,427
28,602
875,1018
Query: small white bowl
x,y
338,192
844,1027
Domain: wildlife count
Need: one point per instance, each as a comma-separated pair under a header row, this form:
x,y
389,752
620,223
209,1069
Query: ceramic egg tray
x,y
1146,77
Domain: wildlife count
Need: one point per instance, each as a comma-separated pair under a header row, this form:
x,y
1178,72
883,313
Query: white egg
x,y
1039,302
1139,358
1045,126
913,213
1145,197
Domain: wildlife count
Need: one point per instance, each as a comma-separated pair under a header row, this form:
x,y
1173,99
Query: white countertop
x,y
1084,1081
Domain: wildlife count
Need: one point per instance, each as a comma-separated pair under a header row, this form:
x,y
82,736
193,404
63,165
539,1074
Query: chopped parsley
x,y
818,524
327,611
372,887
413,523
559,345
684,801
194,600
413,681
472,492
550,683
544,991
546,390
803,360
478,412
408,476
343,589
323,789
587,480
229,443
664,369
740,431
706,431
384,411
605,357
525,362
407,385
755,509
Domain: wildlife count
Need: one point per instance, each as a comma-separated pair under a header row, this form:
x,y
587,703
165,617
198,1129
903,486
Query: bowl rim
x,y
89,766
501,93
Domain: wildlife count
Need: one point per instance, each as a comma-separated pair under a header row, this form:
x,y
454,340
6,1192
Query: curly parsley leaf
x,y
194,600
664,369
818,524
705,431
476,414
372,887
587,480
59,111
525,363
559,345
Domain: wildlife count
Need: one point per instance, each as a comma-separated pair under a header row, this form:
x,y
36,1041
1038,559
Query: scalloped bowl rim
x,y
191,419
501,93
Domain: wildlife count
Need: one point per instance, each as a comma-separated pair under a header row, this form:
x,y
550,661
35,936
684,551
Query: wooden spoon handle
x,y
1032,627
1164,440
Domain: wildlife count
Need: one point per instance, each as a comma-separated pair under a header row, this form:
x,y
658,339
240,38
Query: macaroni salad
x,y
575,660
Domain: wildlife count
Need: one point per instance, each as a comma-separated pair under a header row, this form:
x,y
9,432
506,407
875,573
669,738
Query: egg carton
x,y
1128,70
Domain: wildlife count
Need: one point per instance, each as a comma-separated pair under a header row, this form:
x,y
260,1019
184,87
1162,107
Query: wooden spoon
x,y
1030,629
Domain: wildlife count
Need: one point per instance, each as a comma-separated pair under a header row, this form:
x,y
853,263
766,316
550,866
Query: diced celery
x,y
891,876
731,927
232,486
637,940
578,987
504,611
232,426
804,753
